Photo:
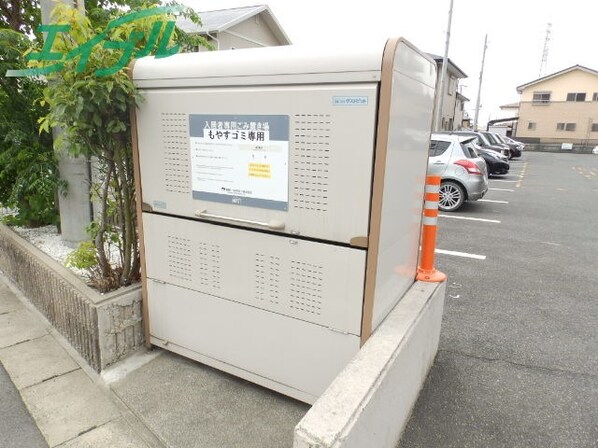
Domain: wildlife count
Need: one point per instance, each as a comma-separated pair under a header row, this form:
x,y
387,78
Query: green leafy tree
x,y
23,16
28,170
92,103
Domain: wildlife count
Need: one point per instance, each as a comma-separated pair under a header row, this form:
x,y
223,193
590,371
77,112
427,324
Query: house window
x,y
531,126
594,127
595,96
565,126
541,98
451,85
576,97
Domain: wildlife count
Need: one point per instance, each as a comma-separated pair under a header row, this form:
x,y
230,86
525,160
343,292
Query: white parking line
x,y
493,201
501,180
468,218
501,189
460,254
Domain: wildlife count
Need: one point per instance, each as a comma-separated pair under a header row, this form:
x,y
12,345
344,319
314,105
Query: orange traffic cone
x,y
426,271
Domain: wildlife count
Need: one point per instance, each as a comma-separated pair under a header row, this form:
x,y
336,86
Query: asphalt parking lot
x,y
518,358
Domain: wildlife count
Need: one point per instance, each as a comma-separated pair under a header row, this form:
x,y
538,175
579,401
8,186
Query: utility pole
x,y
440,104
477,103
75,208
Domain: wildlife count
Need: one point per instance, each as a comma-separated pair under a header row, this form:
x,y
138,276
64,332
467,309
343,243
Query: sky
x,y
516,33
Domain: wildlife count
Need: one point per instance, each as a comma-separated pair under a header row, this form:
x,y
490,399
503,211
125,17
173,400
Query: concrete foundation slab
x,y
117,434
187,404
67,406
19,326
35,361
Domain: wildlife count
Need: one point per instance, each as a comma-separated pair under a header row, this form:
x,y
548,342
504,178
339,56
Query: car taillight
x,y
470,166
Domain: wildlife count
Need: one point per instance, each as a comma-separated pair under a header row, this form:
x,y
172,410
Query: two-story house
x,y
235,28
561,107
454,101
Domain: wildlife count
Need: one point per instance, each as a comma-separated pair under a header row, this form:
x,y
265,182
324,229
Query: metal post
x,y
75,208
477,103
440,108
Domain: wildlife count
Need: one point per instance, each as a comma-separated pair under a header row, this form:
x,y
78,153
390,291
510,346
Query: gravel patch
x,y
48,240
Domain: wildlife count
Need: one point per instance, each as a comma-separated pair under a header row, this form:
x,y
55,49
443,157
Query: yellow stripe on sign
x,y
263,176
260,170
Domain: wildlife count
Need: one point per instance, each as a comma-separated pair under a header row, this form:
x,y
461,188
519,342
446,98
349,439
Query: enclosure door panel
x,y
287,351
314,282
298,161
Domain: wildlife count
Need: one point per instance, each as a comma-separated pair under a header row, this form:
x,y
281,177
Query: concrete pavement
x,y
68,406
152,400
17,428
518,359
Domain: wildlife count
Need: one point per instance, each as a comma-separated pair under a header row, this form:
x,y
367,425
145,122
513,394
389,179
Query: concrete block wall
x,y
102,328
369,402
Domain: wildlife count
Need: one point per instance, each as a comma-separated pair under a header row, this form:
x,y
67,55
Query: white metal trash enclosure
x,y
281,194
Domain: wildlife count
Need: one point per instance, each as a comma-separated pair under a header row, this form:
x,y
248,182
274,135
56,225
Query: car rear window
x,y
469,150
491,138
438,147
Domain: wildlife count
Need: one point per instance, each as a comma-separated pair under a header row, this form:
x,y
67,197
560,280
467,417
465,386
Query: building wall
x,y
251,33
546,116
254,31
451,113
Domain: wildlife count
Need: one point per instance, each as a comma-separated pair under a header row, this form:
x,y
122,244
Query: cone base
x,y
432,276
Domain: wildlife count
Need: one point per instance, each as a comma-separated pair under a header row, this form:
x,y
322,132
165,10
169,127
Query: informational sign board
x,y
240,159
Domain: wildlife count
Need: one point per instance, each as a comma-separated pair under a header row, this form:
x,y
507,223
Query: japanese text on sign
x,y
241,160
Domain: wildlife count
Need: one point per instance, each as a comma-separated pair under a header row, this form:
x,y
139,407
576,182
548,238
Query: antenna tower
x,y
547,40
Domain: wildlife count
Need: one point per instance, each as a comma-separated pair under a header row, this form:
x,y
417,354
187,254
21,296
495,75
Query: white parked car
x,y
463,172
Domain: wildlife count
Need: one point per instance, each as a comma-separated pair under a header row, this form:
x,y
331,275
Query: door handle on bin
x,y
272,224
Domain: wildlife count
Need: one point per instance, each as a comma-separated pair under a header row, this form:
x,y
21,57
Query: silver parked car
x,y
463,172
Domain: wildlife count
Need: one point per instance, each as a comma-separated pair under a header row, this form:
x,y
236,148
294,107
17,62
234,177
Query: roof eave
x,y
275,27
554,75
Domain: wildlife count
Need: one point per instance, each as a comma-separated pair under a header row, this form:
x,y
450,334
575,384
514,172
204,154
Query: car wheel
x,y
452,196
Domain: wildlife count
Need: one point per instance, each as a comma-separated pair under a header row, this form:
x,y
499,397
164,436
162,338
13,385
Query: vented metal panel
x,y
311,170
179,258
267,278
175,147
306,287
329,161
208,263
314,282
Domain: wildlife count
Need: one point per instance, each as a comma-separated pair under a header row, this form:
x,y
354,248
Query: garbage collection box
x,y
280,193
